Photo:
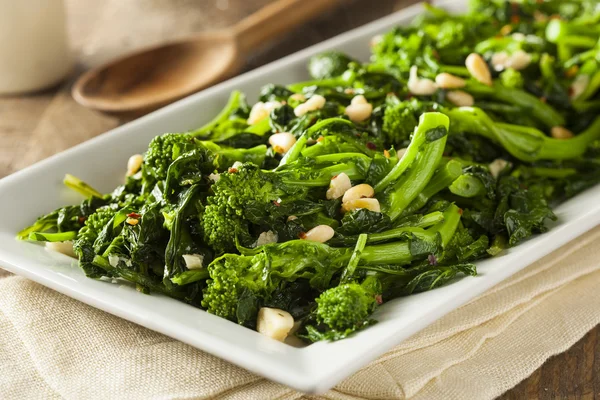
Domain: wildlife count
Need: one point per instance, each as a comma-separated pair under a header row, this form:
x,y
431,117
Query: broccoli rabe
x,y
380,183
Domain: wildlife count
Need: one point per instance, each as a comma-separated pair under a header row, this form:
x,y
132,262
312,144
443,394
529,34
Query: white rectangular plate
x,y
316,368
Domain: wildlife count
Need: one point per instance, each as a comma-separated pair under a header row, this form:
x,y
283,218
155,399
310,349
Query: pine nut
x,y
369,204
499,60
519,60
506,30
420,87
518,36
317,101
282,142
301,109
320,233
460,98
338,186
359,112
65,248
580,83
298,97
360,99
261,111
375,40
132,221
559,132
478,69
134,164
449,81
358,192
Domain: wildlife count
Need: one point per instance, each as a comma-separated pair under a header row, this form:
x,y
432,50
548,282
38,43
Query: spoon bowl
x,y
155,76
158,75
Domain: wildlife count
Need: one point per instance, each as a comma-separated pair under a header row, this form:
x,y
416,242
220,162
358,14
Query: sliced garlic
x,y
497,166
266,238
338,186
418,86
65,248
193,261
282,142
274,323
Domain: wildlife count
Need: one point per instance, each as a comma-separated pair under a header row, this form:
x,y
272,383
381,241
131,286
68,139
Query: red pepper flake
x,y
333,177
320,139
371,146
515,19
302,235
276,203
460,211
82,219
571,72
134,215
379,299
232,170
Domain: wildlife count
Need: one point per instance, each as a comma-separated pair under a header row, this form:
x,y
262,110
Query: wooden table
x,y
37,126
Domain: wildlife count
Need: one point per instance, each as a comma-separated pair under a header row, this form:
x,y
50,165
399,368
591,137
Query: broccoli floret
x,y
83,246
230,274
239,282
159,155
400,119
345,309
226,213
247,196
328,64
512,78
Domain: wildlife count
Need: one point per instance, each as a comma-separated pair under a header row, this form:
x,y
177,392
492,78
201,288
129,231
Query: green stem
x,y
354,259
467,186
399,252
440,181
52,237
422,169
528,103
80,186
427,122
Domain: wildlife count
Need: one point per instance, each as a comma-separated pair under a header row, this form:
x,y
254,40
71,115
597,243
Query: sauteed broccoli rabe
x,y
302,213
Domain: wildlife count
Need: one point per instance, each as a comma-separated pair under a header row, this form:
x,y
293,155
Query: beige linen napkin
x,y
54,347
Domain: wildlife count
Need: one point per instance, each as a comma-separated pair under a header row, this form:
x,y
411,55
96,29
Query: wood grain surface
x,y
37,126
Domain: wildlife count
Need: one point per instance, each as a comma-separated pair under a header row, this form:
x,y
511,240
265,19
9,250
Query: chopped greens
x,y
371,181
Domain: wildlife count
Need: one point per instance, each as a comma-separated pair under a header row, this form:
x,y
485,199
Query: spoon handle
x,y
276,18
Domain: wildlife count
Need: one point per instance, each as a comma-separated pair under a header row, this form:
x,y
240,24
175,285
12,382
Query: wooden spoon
x,y
157,75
